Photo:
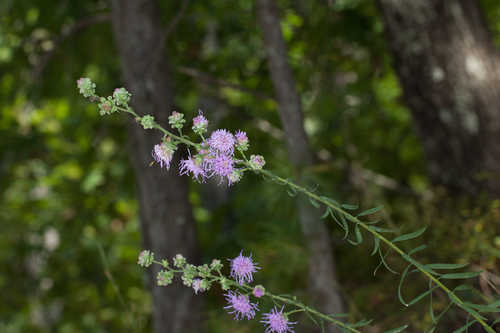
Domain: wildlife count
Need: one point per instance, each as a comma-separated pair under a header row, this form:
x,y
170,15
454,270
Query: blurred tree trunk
x,y
166,216
322,273
449,69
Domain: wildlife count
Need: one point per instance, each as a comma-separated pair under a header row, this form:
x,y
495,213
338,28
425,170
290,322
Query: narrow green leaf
x,y
465,327
376,245
330,201
350,207
370,211
397,330
431,307
361,323
446,266
467,308
359,236
483,308
314,203
401,280
444,311
419,297
412,235
382,262
417,249
465,275
462,287
326,213
345,226
432,330
379,229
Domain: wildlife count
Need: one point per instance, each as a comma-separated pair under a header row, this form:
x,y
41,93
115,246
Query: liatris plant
x,y
222,155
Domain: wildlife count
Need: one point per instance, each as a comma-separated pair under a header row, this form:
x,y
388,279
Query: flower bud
x,y
257,162
121,96
164,278
106,106
176,120
148,122
259,291
86,87
179,261
200,123
241,141
145,258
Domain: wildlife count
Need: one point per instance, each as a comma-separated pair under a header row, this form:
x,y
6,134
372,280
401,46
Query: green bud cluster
x,y
121,96
148,121
86,87
176,120
146,258
164,278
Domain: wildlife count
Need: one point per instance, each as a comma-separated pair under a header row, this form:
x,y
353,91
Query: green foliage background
x,y
67,188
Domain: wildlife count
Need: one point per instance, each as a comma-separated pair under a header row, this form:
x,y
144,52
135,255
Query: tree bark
x,y
449,69
166,216
322,273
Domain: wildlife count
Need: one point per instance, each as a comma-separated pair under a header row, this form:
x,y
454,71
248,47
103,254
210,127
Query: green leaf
x,y
370,211
462,287
466,326
359,236
483,308
417,249
314,202
401,280
431,308
328,211
376,245
350,207
361,323
330,201
465,275
396,330
422,295
446,266
432,330
412,235
379,229
382,262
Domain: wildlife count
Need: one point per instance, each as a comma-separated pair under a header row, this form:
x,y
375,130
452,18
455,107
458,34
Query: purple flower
x,y
240,306
193,165
163,153
241,140
242,268
257,162
277,322
258,291
220,165
221,141
197,286
200,123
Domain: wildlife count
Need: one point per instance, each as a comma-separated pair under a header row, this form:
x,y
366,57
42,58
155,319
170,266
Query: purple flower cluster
x,y
242,269
277,322
240,306
215,156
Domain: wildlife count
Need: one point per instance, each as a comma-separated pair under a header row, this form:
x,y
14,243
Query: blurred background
x,y
370,102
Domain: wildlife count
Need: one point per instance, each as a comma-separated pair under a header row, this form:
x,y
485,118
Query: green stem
x,y
350,217
405,256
